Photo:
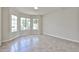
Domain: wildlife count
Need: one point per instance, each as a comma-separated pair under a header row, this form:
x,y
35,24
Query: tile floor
x,y
39,43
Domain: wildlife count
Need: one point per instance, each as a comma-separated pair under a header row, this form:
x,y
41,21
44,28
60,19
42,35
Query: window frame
x,y
33,24
11,23
26,28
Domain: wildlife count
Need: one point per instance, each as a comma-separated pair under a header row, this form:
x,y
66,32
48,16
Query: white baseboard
x,y
62,38
11,38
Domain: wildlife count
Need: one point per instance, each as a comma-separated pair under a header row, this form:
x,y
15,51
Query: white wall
x,y
0,26
62,23
5,18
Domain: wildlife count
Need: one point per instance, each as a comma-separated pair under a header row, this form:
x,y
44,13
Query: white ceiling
x,y
40,11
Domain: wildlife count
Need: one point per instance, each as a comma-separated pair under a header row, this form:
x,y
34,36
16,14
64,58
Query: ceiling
x,y
39,11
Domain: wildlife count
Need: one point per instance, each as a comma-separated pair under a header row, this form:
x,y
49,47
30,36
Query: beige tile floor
x,y
39,43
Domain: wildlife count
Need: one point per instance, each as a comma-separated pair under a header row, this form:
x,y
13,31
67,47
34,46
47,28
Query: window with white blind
x,y
13,23
35,24
25,23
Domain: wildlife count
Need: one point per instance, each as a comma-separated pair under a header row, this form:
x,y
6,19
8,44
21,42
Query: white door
x,y
0,26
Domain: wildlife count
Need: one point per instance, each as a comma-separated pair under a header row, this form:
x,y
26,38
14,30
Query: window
x,y
13,23
35,24
25,23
